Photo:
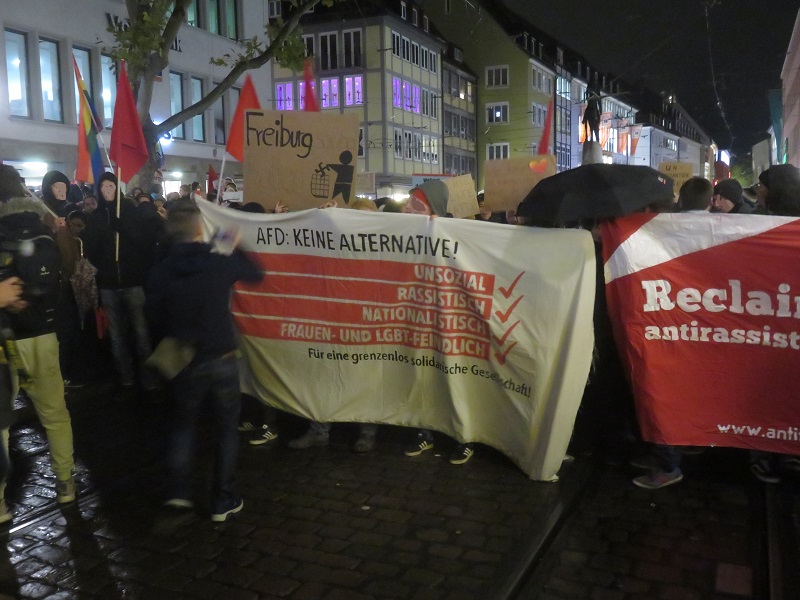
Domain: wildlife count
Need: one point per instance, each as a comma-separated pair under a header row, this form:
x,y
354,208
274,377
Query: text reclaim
x,y
659,296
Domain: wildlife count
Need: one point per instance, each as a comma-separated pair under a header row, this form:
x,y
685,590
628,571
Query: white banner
x,y
478,330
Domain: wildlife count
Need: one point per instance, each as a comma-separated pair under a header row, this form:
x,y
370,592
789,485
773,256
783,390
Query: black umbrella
x,y
595,191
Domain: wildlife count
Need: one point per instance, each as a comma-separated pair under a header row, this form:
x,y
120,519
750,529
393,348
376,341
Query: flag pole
x,y
221,178
116,233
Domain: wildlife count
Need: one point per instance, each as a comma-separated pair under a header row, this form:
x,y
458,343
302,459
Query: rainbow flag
x,y
90,161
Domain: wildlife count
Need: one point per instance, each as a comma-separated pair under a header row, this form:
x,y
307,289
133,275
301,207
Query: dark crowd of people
x,y
83,265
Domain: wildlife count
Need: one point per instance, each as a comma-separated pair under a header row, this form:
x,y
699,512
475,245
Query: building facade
x,y
789,144
38,101
459,122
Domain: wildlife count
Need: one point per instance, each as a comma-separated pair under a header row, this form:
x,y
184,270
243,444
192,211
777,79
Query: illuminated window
x,y
284,97
352,90
426,148
301,93
435,150
198,121
213,16
397,94
51,81
175,100
330,92
406,95
82,59
417,146
109,80
415,99
497,113
193,14
231,22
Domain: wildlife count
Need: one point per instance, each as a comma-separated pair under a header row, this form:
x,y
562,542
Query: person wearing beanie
x,y
118,245
728,198
782,190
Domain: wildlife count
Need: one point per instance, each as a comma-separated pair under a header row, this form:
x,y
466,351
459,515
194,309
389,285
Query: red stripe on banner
x,y
451,345
479,284
360,314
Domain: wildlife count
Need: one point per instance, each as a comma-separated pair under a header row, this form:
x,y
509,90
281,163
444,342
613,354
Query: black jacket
x,y
188,297
135,245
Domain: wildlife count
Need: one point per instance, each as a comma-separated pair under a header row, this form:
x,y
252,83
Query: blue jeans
x,y
207,388
125,311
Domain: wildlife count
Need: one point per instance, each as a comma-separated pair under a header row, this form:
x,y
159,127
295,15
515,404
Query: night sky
x,y
664,45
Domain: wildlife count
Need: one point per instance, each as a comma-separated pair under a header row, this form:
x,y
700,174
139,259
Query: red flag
x,y
128,148
212,177
544,145
248,100
311,103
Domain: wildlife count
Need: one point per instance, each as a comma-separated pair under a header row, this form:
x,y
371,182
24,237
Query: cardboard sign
x,y
302,159
463,199
509,181
679,172
237,197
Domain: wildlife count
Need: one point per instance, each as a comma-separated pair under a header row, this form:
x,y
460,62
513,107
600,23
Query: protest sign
x,y
706,310
679,172
420,322
507,182
463,198
300,158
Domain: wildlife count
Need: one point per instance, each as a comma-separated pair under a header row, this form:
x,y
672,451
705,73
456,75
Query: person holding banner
x,y
430,199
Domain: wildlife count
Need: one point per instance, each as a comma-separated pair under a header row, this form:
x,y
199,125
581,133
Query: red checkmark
x,y
503,316
510,289
502,340
501,356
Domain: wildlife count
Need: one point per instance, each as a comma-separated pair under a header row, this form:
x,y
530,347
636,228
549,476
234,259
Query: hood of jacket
x,y
17,206
48,180
437,194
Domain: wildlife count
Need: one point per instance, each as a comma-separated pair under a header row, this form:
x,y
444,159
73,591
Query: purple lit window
x,y
406,95
330,93
352,91
301,93
415,90
397,99
284,99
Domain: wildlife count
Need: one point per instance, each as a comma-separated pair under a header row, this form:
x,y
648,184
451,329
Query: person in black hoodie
x,y
188,298
117,247
55,191
27,246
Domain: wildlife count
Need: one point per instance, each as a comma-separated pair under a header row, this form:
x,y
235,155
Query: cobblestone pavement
x,y
328,524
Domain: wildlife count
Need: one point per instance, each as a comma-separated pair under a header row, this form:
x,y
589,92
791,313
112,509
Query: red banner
x,y
706,312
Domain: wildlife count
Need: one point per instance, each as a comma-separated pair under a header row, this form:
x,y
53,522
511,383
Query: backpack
x,y
31,254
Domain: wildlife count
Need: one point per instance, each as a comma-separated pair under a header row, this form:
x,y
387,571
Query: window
x,y
562,87
218,111
213,16
199,121
406,95
397,98
301,93
403,11
175,100
17,70
51,81
109,81
426,148
497,76
415,16
360,141
425,24
435,150
458,55
352,90
415,98
82,59
330,92
193,14
308,42
284,96
671,144
426,99
406,49
231,22
424,58
497,113
396,43
470,92
497,151
433,60
407,145
417,146
352,49
537,118
548,85
328,53
414,53
398,143
434,106
273,9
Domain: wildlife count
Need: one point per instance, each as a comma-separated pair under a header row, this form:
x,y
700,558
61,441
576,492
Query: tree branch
x,y
240,67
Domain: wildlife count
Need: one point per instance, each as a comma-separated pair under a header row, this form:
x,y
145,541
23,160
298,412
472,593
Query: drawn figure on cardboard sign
x,y
344,178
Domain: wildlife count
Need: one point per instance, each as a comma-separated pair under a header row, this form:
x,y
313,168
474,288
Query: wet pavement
x,y
326,523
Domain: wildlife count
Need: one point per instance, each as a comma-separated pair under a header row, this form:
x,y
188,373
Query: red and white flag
x,y
706,313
